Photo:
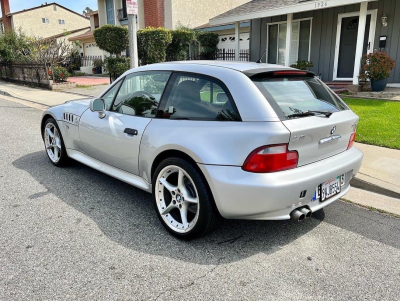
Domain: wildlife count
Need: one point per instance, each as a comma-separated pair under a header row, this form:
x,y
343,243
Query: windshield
x,y
295,96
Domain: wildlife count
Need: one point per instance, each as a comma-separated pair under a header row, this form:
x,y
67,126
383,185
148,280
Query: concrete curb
x,y
364,185
8,94
365,97
74,93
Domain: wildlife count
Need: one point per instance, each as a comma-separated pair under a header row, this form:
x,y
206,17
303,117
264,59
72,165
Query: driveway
x,y
74,233
89,80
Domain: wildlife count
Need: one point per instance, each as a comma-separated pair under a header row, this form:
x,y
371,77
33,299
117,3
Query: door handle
x,y
131,132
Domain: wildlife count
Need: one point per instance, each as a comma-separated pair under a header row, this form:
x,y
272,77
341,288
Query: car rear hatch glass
x,y
320,123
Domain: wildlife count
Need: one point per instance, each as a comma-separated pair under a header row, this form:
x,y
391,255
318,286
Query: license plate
x,y
329,189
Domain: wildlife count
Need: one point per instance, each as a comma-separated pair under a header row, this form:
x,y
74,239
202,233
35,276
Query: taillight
x,y
290,72
271,158
352,139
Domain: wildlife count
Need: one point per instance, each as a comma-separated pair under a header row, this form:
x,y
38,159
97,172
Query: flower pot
x,y
379,85
94,70
98,70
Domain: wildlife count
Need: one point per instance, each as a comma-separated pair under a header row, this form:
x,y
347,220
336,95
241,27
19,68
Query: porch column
x,y
288,39
360,41
237,40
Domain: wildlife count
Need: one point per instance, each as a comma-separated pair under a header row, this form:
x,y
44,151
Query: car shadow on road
x,y
126,215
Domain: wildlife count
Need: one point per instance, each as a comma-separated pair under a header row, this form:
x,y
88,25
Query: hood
x,y
76,107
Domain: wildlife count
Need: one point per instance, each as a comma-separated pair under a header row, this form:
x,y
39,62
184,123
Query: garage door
x,y
91,49
228,41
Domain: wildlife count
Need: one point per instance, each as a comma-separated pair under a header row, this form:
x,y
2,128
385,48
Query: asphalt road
x,y
74,233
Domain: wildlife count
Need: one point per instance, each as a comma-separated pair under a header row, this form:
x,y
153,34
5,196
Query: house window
x,y
54,7
299,44
61,22
45,20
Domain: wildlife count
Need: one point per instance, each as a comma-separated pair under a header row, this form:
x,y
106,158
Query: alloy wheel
x,y
52,142
177,199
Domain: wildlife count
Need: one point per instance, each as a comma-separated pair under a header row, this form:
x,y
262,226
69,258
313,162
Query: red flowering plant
x,y
60,74
376,66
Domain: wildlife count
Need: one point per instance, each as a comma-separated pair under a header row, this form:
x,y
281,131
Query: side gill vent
x,y
71,118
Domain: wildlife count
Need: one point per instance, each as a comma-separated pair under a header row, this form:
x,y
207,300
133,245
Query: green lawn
x,y
379,121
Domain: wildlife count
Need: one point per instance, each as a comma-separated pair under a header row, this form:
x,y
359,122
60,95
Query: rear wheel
x,y
54,143
183,200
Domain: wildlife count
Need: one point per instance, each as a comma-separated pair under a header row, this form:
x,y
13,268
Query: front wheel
x,y
183,200
54,143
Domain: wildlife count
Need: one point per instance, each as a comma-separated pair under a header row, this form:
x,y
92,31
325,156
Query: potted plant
x,y
376,68
97,66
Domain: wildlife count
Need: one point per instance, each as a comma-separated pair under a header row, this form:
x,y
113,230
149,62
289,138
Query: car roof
x,y
238,66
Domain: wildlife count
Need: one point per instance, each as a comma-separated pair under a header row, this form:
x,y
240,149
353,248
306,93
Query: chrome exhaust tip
x,y
306,212
297,216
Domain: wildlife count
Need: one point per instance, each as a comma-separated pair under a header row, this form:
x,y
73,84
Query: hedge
x,y
178,49
209,43
152,44
111,38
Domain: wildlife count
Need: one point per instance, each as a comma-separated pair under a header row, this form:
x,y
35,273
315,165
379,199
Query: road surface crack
x,y
187,285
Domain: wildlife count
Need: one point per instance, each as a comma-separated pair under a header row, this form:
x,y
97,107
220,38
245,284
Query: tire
x,y
171,200
55,149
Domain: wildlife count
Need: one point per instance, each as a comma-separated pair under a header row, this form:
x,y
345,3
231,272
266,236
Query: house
x,y
44,21
332,34
87,46
165,13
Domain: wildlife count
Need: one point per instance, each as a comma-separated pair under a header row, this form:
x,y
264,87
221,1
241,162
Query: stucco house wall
x,y
30,21
193,13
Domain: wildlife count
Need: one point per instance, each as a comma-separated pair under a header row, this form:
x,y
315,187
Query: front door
x,y
347,43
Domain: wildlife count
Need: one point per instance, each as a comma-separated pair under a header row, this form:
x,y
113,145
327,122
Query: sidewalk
x,y
43,98
376,185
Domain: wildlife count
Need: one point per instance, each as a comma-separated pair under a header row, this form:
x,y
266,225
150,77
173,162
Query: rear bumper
x,y
243,195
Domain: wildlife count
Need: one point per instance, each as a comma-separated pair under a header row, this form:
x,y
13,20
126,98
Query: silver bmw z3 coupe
x,y
213,140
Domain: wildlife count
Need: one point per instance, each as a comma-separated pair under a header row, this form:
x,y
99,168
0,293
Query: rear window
x,y
290,95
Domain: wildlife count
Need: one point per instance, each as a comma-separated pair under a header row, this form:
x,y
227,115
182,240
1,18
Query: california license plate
x,y
329,189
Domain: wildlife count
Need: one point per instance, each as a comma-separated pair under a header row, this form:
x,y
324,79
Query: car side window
x,y
140,93
198,97
110,95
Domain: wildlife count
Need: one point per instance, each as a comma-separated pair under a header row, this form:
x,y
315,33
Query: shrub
x,y
116,65
377,66
58,74
152,44
177,50
302,65
209,44
15,46
111,38
98,63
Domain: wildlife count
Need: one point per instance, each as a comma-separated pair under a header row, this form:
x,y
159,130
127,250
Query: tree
x,y
87,10
15,46
50,52
111,38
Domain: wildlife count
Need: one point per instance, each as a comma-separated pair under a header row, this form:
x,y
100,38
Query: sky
x,y
75,5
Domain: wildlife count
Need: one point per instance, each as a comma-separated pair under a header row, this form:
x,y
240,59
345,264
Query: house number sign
x,y
321,4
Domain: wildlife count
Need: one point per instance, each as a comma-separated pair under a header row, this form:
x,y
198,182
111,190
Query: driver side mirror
x,y
98,105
